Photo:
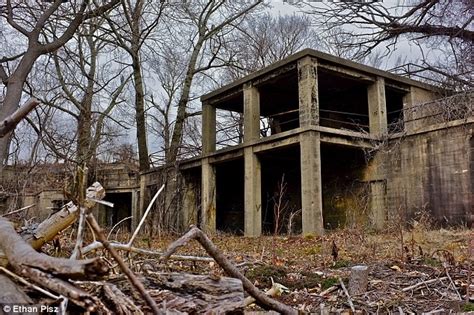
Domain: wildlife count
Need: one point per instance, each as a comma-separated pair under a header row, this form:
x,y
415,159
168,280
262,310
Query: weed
x,y
329,282
468,307
341,264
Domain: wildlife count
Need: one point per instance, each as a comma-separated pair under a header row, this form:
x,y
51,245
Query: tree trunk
x,y
13,96
140,115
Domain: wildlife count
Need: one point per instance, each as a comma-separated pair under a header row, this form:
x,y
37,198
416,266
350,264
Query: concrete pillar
x,y
137,215
377,204
311,195
308,92
377,107
251,113
135,208
252,194
189,205
208,128
311,198
252,178
208,198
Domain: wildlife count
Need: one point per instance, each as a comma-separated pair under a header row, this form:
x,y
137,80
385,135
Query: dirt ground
x,y
420,270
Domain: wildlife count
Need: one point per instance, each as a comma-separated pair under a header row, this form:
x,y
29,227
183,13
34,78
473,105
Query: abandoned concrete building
x,y
349,141
315,142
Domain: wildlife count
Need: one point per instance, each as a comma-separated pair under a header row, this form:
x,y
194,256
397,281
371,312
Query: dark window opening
x,y
281,191
343,102
230,196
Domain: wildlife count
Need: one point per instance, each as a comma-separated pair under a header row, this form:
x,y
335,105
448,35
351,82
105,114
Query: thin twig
x,y
130,275
135,233
419,284
452,283
16,211
347,294
118,223
124,247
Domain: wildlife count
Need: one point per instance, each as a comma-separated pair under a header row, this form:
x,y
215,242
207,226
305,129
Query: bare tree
x,y
130,29
203,27
440,24
29,20
264,39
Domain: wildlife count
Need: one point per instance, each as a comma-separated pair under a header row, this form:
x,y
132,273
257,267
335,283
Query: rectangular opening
x,y
122,209
394,103
345,195
279,108
281,190
230,196
229,128
343,102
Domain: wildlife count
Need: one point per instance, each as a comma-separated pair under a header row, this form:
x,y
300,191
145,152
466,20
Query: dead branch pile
x,y
86,285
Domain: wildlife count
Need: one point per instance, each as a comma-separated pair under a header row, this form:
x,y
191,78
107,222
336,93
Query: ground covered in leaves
x,y
415,271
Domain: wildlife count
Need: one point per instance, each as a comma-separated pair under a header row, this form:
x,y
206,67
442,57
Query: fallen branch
x,y
260,297
135,233
130,275
349,300
9,123
16,211
124,247
196,294
419,284
20,255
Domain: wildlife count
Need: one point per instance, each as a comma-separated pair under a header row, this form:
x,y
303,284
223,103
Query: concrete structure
x,y
329,120
313,142
45,189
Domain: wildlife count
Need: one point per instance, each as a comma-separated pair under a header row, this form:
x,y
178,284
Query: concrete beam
x,y
252,194
308,92
377,107
208,128
251,113
208,197
311,195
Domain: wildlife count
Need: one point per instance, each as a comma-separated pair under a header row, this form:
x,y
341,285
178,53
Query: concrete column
x,y
377,107
252,194
251,113
143,198
308,92
208,198
311,196
189,205
377,204
208,128
252,180
135,208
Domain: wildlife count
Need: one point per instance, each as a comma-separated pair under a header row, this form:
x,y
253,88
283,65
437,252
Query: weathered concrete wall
x,y
431,171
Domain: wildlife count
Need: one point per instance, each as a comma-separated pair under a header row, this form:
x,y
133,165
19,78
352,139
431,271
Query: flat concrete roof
x,y
325,57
